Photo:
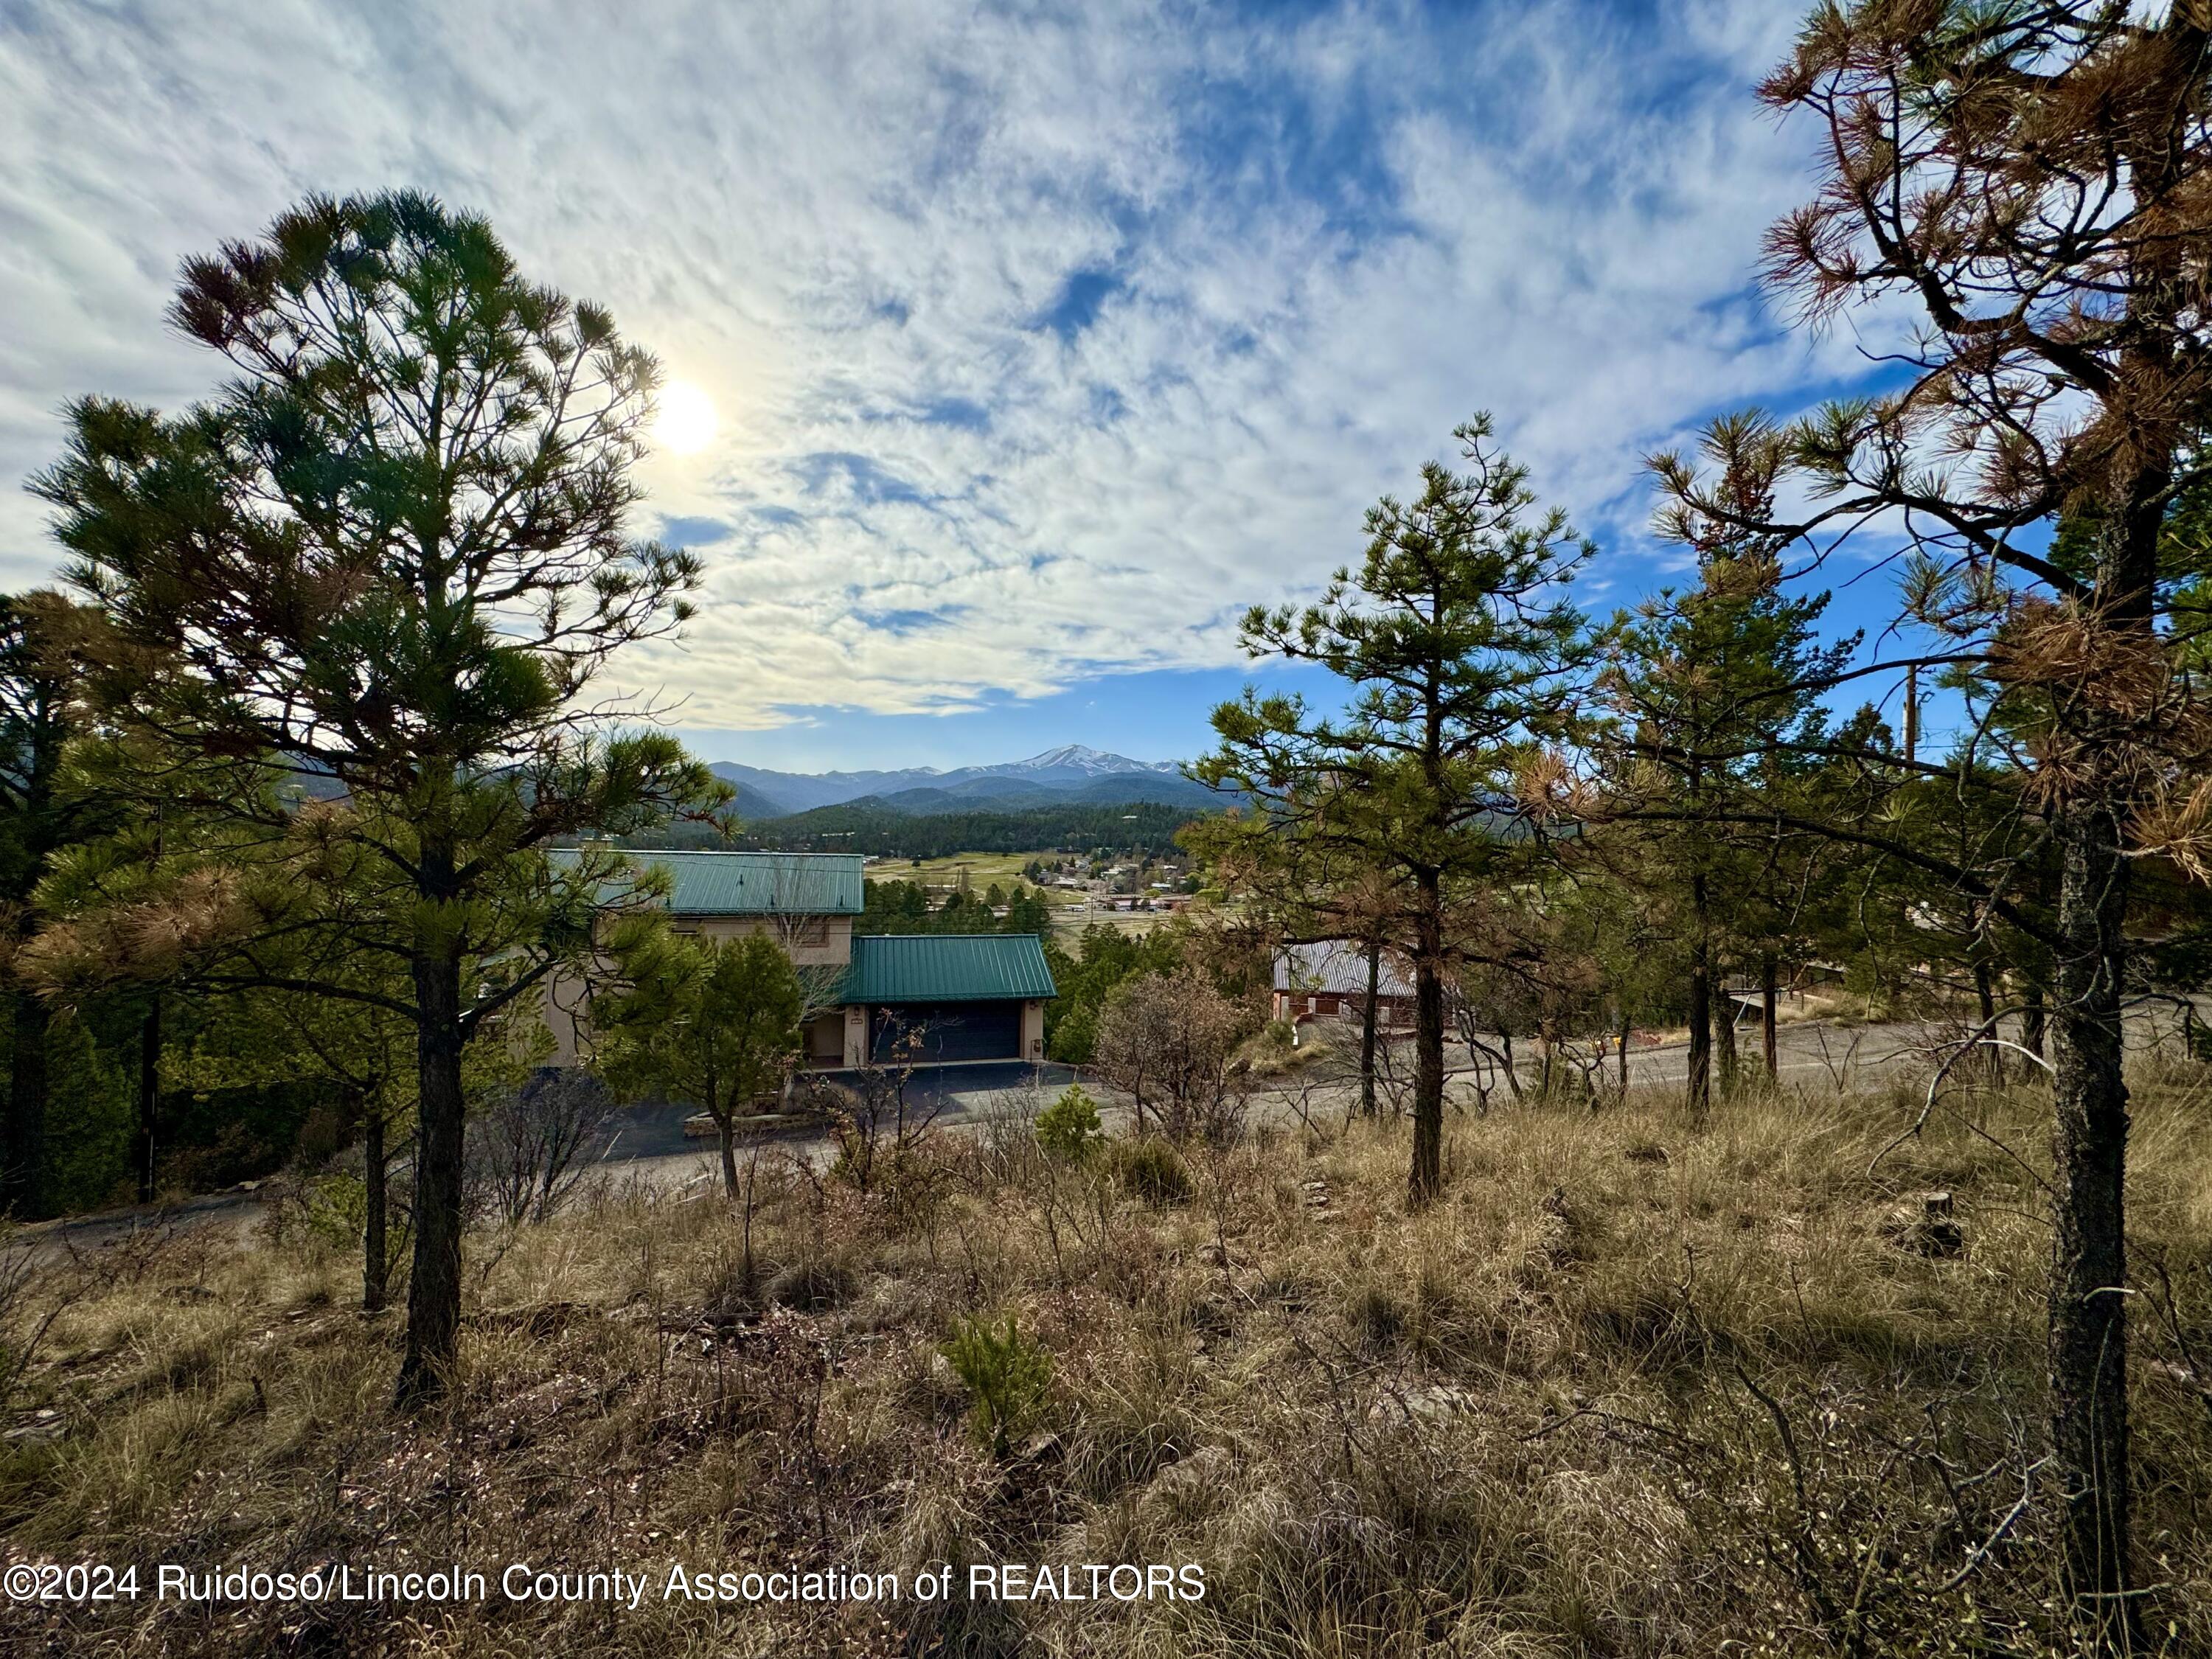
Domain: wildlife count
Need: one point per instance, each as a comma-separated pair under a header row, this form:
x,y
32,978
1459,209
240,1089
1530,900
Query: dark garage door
x,y
948,1030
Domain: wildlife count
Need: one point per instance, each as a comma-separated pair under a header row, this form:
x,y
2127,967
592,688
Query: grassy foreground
x,y
1628,1391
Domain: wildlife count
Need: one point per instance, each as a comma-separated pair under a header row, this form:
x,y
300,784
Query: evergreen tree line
x,y
1139,828
904,907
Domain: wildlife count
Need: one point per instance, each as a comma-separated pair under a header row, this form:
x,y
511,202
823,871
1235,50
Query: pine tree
x,y
1461,652
710,1022
392,556
1715,692
45,643
2032,179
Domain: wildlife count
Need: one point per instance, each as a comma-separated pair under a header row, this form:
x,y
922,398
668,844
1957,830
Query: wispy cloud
x,y
1044,338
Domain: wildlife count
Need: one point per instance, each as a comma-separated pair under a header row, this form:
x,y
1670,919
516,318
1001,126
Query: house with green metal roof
x,y
926,998
946,998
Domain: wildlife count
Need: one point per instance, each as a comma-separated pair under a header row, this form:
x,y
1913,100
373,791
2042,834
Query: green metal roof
x,y
716,883
945,967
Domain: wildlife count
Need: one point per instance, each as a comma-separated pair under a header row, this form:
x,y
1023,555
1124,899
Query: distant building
x,y
941,999
1328,979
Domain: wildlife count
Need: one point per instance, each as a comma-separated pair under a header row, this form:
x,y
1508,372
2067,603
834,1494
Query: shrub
x,y
1150,1169
1007,1373
1068,1129
814,1285
335,1208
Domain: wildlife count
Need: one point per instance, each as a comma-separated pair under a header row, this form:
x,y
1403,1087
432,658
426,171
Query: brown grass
x,y
1628,1391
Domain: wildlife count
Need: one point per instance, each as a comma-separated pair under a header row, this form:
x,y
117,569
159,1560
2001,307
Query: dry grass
x,y
1628,1391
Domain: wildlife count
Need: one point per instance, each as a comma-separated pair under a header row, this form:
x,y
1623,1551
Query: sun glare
x,y
685,424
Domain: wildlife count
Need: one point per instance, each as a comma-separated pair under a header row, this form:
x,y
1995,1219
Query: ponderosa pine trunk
x,y
1725,1060
375,1251
433,1287
2088,1350
2089,1335
150,1097
1620,1060
1426,1182
1768,1018
24,1195
1698,1081
149,1068
1367,1015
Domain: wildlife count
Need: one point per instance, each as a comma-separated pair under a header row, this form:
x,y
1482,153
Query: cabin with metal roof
x,y
1329,978
718,883
921,998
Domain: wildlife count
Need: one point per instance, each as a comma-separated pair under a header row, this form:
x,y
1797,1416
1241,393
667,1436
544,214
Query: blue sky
x,y
1040,339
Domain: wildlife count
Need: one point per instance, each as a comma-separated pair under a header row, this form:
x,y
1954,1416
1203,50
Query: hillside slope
x,y
1628,1391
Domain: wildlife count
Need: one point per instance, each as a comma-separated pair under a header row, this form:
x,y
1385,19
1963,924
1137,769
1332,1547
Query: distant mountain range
x,y
1071,773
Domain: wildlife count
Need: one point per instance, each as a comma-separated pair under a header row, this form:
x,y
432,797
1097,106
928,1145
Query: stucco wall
x,y
812,941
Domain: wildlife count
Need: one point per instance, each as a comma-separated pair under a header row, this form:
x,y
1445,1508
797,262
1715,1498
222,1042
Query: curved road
x,y
650,1145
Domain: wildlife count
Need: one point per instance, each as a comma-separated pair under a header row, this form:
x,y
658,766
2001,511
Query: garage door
x,y
948,1030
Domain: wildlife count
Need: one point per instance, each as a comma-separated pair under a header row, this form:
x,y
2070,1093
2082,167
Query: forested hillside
x,y
1146,827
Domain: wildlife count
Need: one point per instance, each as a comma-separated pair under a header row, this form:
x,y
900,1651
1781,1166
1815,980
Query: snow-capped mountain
x,y
1071,771
1070,760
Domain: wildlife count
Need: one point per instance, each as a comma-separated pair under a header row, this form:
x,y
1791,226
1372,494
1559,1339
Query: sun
x,y
685,423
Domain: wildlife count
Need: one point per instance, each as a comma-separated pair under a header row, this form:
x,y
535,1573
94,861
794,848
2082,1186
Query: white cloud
x,y
842,222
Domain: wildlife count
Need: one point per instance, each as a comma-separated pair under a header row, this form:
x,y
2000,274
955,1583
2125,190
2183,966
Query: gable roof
x,y
945,967
718,884
1338,966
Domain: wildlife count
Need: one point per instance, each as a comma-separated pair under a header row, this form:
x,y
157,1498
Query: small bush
x,y
1006,1372
335,1209
812,1286
1068,1129
1150,1169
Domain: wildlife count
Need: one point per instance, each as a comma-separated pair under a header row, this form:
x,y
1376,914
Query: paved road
x,y
1843,1054
650,1144
652,1147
